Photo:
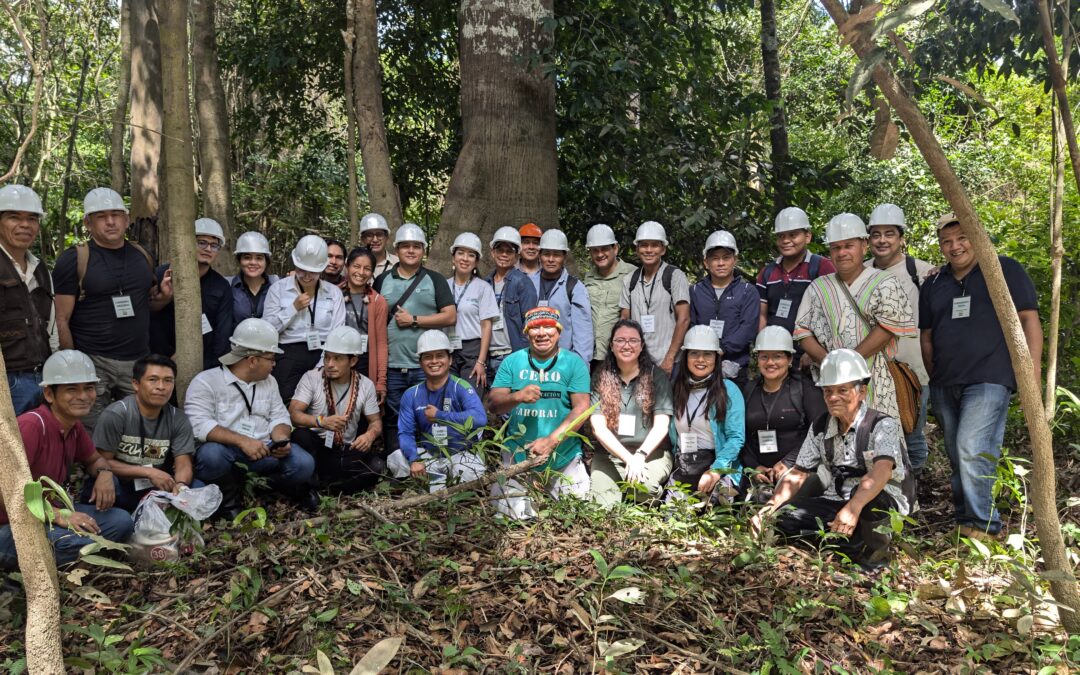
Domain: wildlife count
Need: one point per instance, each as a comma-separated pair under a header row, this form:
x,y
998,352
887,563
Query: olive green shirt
x,y
663,404
604,293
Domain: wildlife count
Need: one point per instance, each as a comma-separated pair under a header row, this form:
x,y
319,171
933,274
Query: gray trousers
x,y
114,383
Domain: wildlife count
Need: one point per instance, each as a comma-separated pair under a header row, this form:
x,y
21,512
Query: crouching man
x,y
54,437
336,415
237,414
147,440
434,449
859,454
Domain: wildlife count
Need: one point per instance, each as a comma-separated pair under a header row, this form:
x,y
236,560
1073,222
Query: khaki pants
x,y
608,471
114,383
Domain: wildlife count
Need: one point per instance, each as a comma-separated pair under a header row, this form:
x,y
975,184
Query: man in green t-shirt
x,y
544,388
418,300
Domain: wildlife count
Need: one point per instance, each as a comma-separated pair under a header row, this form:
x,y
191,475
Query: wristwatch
x,y
414,324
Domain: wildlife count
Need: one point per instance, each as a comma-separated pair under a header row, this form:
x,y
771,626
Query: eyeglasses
x,y
271,359
373,234
209,245
626,342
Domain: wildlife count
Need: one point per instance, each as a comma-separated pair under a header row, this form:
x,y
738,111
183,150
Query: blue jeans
x,y
127,497
25,391
917,449
292,474
115,525
397,383
972,419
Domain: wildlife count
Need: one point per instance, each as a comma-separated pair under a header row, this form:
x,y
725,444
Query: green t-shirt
x,y
558,377
430,296
662,405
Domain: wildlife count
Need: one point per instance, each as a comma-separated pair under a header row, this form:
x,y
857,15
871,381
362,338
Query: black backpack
x,y
815,268
862,439
909,262
665,279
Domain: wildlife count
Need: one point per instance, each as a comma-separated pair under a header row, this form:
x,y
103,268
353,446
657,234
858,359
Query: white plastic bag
x,y
153,540
398,465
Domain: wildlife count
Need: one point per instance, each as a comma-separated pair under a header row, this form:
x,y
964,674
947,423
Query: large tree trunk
x,y
146,121
123,91
506,173
180,190
778,137
367,94
36,562
214,145
350,117
1044,488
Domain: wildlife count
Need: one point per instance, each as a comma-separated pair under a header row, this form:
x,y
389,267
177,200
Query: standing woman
x,y
707,430
477,310
780,408
250,286
365,310
632,420
304,309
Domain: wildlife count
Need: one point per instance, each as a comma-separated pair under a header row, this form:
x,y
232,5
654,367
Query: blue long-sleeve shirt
x,y
456,402
518,297
739,307
575,312
729,434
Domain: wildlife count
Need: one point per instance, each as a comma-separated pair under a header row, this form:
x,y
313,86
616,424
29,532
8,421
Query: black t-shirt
x,y
971,350
95,328
779,411
217,305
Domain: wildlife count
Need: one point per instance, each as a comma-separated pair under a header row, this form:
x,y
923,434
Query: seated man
x,y
146,439
545,389
336,415
237,414
54,438
862,453
434,449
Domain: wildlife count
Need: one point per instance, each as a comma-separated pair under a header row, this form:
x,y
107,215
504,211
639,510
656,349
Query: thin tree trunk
x,y
507,170
778,137
1057,81
38,75
123,92
180,189
213,115
35,553
350,116
1044,488
367,94
146,113
72,134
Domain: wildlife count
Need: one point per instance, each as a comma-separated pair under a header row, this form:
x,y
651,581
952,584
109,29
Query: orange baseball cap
x,y
530,230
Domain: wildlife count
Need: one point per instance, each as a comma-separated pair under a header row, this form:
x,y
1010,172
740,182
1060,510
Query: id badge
x,y
122,306
206,327
718,327
439,433
688,442
648,323
313,341
455,341
627,425
543,303
143,484
246,427
328,439
767,441
783,310
498,324
961,307
363,344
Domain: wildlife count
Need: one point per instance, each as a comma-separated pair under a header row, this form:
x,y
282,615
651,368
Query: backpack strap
x,y
815,266
635,277
768,272
669,272
909,262
82,261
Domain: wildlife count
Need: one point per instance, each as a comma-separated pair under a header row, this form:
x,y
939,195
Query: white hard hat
x,y
373,221
508,235
701,338
410,232
554,240
651,230
252,242
103,199
20,198
432,341
68,366
720,239
600,235
256,334
845,226
774,339
467,240
841,366
344,340
210,228
791,218
887,214
311,253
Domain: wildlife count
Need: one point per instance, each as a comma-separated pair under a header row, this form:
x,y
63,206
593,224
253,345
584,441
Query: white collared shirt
x,y
30,280
218,398
292,326
385,265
